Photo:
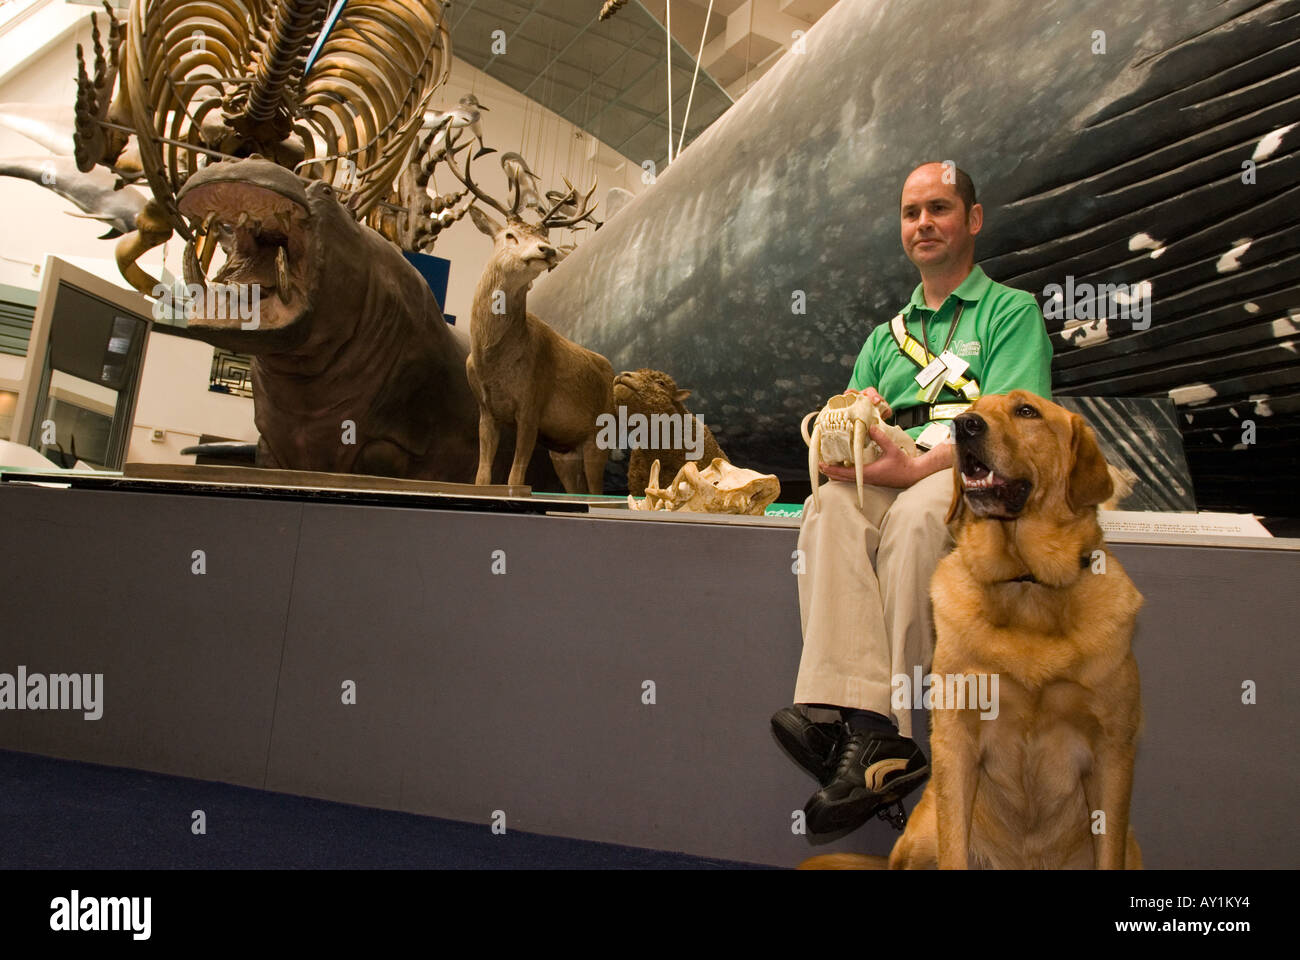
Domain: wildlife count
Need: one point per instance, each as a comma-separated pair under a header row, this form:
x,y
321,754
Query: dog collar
x,y
1084,562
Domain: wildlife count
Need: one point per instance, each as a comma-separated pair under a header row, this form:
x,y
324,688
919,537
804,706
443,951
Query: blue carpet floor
x,y
58,813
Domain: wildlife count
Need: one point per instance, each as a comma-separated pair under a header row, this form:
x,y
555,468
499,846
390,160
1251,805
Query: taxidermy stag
x,y
522,372
334,95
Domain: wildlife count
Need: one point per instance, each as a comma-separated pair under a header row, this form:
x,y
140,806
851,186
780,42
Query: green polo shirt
x,y
1000,333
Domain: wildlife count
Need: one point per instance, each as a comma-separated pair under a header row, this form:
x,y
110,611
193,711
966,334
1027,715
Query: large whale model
x,y
1151,145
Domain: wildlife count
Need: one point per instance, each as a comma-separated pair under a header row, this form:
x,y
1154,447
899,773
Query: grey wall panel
x,y
1217,780
97,582
522,692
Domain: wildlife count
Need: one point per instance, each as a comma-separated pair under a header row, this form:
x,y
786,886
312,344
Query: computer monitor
x,y
84,363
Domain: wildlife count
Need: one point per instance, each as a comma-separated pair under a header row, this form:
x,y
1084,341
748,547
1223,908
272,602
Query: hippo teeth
x,y
263,236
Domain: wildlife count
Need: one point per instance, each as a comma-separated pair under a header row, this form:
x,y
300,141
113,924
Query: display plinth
x,y
588,677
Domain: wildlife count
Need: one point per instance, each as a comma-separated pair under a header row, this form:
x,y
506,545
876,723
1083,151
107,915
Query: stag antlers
x,y
552,217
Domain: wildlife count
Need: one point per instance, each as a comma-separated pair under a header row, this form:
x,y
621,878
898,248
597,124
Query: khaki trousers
x,y
864,595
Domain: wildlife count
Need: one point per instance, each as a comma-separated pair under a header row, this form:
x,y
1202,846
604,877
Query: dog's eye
x,y
1025,410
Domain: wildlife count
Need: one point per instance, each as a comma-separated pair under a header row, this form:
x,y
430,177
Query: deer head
x,y
521,251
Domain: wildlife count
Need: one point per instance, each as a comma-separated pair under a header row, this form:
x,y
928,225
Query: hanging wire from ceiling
x,y
534,152
594,147
749,44
548,86
559,121
668,47
523,126
568,160
696,75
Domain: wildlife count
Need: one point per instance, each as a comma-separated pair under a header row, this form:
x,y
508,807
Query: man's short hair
x,y
965,186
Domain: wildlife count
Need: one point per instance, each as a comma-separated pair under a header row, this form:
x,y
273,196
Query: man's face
x,y
936,229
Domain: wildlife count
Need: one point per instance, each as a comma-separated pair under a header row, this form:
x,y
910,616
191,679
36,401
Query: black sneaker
x,y
872,770
812,745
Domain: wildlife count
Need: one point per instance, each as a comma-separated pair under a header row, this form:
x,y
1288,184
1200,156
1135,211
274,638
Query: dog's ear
x,y
1090,481
958,506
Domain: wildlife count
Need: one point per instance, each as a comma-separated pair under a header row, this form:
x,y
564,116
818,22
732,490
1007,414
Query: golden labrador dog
x,y
1031,596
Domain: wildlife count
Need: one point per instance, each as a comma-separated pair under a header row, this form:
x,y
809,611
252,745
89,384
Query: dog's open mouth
x,y
987,493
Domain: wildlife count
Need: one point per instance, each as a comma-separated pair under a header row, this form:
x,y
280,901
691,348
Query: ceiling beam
x,y
536,66
541,73
464,15
593,81
572,26
641,129
518,26
626,88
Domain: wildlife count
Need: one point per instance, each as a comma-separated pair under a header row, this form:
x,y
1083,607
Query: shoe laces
x,y
854,744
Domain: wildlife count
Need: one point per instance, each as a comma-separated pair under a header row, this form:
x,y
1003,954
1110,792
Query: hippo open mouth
x,y
265,230
988,493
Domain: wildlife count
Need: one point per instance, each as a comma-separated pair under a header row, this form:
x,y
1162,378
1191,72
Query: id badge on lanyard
x,y
943,369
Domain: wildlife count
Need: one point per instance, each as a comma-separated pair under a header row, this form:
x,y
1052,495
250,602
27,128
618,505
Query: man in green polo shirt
x,y
864,594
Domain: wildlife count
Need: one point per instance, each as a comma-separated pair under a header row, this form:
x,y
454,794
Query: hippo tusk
x,y
282,275
654,476
803,427
190,266
859,428
814,452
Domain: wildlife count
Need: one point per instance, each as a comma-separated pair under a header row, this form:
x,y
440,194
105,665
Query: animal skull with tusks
x,y
718,488
842,435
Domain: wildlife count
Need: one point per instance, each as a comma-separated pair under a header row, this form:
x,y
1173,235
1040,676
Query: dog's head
x,y
1017,454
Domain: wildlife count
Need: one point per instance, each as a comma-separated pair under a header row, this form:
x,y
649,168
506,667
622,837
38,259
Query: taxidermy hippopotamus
x,y
355,370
